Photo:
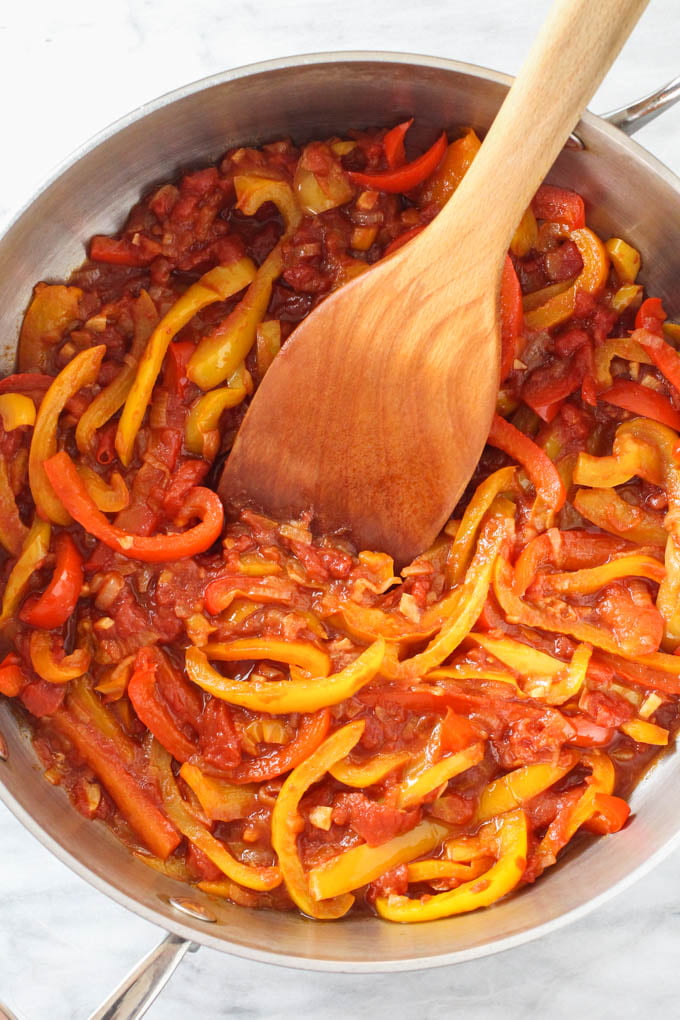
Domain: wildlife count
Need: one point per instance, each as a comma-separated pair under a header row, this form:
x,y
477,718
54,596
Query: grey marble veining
x,y
66,70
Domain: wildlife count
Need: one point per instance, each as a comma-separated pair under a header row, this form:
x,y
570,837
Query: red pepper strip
x,y
122,252
651,315
26,382
559,205
589,733
611,814
664,356
143,694
403,238
565,550
200,502
12,679
57,602
512,317
310,735
642,400
547,387
540,469
393,144
407,177
221,592
135,805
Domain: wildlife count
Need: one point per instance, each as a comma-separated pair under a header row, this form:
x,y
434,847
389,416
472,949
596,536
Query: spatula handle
x,y
571,55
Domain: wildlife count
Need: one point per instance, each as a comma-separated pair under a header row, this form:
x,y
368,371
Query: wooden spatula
x,y
377,409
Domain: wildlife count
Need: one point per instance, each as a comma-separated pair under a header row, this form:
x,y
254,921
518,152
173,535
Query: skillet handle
x,y
139,989
630,118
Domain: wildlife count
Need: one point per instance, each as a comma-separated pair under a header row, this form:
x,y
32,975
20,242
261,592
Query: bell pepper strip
x,y
201,427
630,457
221,800
13,531
393,144
223,591
472,596
283,696
537,298
664,356
287,822
81,371
561,830
57,603
481,891
363,864
364,623
53,311
259,878
123,251
199,502
645,732
320,182
512,317
150,709
608,510
12,677
217,284
252,191
33,553
629,295
584,582
517,787
112,397
17,411
369,772
540,469
523,659
592,279
457,160
404,178
559,205
643,401
312,731
52,669
565,550
136,806
417,786
435,870
524,238
610,815
267,344
307,656
651,316
564,687
111,497
624,258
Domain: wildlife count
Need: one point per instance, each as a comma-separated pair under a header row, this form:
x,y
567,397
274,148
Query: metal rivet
x,y
4,753
192,909
574,142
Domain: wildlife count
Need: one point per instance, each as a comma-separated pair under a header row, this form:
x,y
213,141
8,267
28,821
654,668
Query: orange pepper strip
x,y
592,278
461,549
563,828
221,800
216,285
287,822
109,498
200,502
310,735
34,550
13,531
81,371
535,461
259,878
52,311
51,669
609,511
594,578
308,656
457,160
284,696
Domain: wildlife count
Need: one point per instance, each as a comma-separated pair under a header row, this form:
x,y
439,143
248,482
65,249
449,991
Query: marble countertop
x,y
66,70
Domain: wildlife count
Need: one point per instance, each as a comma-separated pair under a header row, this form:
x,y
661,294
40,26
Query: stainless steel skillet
x,y
628,193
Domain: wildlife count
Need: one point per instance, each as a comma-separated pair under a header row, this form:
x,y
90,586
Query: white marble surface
x,y
66,70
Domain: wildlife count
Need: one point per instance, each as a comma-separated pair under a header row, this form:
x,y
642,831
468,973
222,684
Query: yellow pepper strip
x,y
282,696
458,157
16,410
435,869
609,511
362,864
222,801
669,594
629,458
299,653
366,622
462,671
619,347
625,259
525,236
110,497
586,581
472,594
52,311
258,878
560,689
35,549
645,732
461,550
417,786
287,822
499,880
537,298
672,331
626,296
465,848
216,285
220,352
110,400
204,417
592,278
55,671
13,531
369,772
81,371
255,565
515,788
521,658
267,344
87,706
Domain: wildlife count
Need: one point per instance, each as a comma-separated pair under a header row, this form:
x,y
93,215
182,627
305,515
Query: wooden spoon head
x,y
376,411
